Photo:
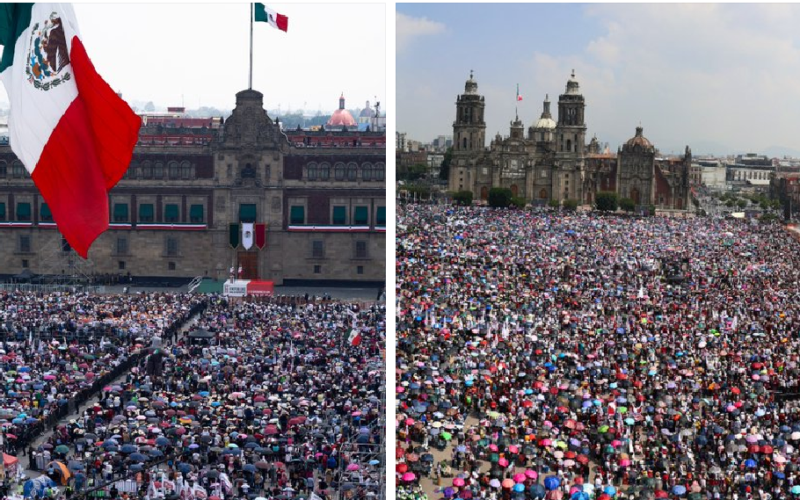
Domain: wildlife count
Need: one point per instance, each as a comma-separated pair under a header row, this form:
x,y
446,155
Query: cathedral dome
x,y
341,117
546,123
639,140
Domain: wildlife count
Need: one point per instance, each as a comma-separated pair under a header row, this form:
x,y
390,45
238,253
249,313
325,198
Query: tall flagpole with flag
x,y
259,12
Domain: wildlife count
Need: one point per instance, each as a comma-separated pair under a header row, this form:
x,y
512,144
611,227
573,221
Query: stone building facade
x,y
323,203
554,162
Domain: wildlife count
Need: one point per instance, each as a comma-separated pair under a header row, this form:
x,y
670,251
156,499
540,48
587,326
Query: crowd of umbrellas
x,y
271,402
546,354
43,366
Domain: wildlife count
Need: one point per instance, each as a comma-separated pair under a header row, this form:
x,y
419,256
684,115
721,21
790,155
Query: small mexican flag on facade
x,y
72,132
266,15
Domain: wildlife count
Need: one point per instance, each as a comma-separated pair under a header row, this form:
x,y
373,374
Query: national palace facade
x,y
321,196
554,162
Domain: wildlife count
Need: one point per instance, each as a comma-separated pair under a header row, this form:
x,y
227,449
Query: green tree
x,y
607,201
499,197
627,204
554,203
444,169
518,201
571,204
741,204
463,198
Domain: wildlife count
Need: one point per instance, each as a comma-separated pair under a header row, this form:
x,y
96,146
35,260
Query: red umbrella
x,y
402,468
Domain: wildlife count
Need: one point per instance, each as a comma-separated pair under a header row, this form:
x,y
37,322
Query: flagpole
x,y
250,84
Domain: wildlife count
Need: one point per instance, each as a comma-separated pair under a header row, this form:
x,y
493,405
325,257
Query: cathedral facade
x,y
553,160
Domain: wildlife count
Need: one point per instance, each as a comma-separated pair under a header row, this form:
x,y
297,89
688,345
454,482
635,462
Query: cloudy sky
x,y
198,53
720,78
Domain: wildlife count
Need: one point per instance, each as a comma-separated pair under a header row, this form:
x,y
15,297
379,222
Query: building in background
x,y
554,162
317,201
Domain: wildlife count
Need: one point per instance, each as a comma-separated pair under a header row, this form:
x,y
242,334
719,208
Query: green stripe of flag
x,y
14,19
261,13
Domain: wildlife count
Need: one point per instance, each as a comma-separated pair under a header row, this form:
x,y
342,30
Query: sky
x,y
718,78
198,54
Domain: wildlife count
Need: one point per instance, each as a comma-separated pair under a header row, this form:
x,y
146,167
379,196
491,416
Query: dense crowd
x,y
57,348
271,399
552,354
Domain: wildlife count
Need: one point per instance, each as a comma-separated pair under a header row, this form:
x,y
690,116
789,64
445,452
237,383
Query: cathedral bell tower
x,y
571,133
469,129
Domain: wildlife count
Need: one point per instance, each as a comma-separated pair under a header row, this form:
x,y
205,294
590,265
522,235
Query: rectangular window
x,y
121,265
361,249
361,216
171,213
45,215
171,266
317,269
340,215
25,263
146,213
172,247
122,246
2,211
120,212
196,213
23,211
247,212
360,270
24,243
297,215
380,216
318,249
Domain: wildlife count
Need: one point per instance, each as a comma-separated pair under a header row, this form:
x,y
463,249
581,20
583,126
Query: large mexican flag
x,y
72,132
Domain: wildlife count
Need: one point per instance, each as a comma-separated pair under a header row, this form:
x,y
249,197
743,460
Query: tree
x,y
741,204
499,197
518,201
627,204
571,204
444,168
554,203
463,198
607,201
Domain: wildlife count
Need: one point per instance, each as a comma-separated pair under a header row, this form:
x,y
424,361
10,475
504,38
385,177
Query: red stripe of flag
x,y
261,236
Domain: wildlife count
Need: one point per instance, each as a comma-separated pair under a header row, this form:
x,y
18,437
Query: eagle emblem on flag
x,y
47,54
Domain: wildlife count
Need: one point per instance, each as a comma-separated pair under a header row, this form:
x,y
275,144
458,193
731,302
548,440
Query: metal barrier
x,y
30,287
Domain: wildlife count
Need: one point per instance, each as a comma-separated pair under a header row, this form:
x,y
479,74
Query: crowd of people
x,y
565,354
57,348
263,398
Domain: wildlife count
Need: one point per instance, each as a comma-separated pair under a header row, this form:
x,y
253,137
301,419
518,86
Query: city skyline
x,y
668,68
197,55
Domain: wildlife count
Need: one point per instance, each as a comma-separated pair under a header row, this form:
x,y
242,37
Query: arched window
x,y
186,170
133,170
17,168
543,194
3,169
147,170
569,145
514,190
324,171
366,172
352,171
339,171
174,170
484,192
380,172
312,171
464,143
158,170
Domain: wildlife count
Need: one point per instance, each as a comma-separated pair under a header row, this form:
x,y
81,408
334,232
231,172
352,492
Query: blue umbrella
x,y
580,495
536,491
128,448
679,490
519,488
750,463
551,483
610,490
249,468
162,441
138,457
